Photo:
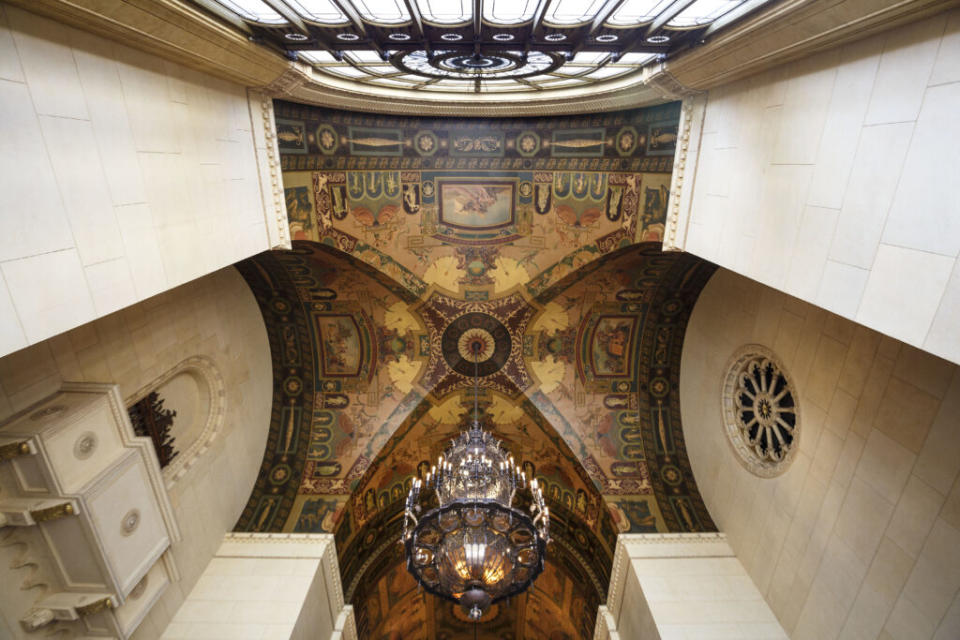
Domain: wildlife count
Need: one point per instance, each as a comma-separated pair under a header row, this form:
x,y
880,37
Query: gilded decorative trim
x,y
55,512
13,450
95,607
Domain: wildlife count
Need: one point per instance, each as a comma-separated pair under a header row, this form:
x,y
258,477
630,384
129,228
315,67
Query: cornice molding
x,y
172,29
775,34
299,85
792,29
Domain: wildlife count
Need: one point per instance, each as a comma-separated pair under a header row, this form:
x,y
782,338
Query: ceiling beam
x,y
477,26
346,8
420,33
605,12
667,15
538,16
226,15
292,16
735,14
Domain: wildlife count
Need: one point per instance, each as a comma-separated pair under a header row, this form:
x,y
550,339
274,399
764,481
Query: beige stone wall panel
x,y
859,537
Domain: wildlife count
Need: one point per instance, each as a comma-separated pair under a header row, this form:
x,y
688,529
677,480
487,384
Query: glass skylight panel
x,y
318,10
605,72
567,82
636,58
317,56
573,11
392,82
254,10
509,11
384,11
348,71
385,69
361,56
638,11
703,12
589,57
446,11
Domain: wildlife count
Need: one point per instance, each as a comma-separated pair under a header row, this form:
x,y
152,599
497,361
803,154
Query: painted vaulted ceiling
x,y
542,234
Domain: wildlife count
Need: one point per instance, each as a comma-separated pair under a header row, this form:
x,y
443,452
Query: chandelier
x,y
465,540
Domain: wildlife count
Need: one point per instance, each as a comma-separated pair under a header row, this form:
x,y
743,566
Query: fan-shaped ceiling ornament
x,y
483,46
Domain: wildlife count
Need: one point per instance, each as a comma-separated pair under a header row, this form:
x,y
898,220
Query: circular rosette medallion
x,y
476,340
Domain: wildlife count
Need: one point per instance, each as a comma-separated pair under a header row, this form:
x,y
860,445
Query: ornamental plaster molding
x,y
206,370
659,78
276,538
332,574
294,76
299,85
268,164
685,164
729,391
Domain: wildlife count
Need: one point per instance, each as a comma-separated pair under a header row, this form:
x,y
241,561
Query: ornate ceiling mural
x,y
552,261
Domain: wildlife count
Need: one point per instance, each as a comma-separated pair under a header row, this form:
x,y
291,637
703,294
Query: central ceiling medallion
x,y
476,339
465,540
493,327
486,65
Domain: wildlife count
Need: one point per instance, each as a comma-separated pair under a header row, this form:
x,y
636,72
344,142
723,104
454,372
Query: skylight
x,y
519,46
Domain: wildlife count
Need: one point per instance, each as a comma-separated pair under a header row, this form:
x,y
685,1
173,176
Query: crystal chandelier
x,y
465,540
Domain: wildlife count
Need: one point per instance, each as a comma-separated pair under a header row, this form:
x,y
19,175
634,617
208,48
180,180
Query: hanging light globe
x,y
466,539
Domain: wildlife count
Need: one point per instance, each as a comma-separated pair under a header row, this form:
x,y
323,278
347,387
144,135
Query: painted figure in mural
x,y
543,197
663,137
470,199
581,501
335,343
411,198
614,339
299,211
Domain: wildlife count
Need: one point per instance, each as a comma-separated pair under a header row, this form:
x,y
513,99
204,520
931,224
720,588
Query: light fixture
x,y
398,36
349,37
465,540
451,37
503,37
607,37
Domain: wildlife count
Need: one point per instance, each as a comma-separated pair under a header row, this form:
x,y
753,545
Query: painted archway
x,y
587,316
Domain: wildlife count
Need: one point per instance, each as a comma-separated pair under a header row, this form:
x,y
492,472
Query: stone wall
x,y
216,317
832,178
122,175
859,538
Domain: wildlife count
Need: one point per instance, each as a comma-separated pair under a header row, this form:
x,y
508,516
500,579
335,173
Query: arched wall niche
x,y
194,388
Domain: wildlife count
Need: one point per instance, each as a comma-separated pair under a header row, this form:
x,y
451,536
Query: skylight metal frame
x,y
420,25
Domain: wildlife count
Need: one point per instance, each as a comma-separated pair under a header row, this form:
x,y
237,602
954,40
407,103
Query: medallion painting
x,y
341,352
476,205
417,237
